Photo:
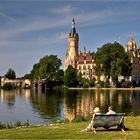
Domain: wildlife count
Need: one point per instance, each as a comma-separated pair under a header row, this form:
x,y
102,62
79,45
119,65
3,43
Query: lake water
x,y
43,108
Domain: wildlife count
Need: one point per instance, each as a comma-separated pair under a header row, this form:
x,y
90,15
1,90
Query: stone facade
x,y
23,83
82,62
134,52
85,64
72,51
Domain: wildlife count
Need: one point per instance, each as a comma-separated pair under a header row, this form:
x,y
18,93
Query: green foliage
x,y
92,82
70,77
8,86
73,131
26,124
2,126
80,119
112,61
118,84
16,124
126,84
86,85
106,85
63,121
46,68
10,74
103,84
27,76
80,79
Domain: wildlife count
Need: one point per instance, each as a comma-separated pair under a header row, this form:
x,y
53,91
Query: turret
x,y
72,51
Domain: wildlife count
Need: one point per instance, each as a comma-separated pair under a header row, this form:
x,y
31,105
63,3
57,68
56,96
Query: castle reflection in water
x,y
122,100
73,103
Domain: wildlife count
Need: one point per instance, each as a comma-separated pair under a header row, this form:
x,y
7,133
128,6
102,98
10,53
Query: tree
x,y
70,77
10,74
46,68
112,61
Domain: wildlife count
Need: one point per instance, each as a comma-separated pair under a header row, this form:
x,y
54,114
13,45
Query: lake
x,y
46,107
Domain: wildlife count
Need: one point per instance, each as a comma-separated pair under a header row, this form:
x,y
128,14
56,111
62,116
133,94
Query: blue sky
x,y
31,29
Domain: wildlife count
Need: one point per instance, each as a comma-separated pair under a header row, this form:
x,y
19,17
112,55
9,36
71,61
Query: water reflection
x,y
49,104
40,107
82,103
7,98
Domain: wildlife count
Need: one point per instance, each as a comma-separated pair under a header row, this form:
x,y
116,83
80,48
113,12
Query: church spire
x,y
73,30
73,23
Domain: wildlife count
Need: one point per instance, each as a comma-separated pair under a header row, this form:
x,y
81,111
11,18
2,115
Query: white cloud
x,y
63,10
83,19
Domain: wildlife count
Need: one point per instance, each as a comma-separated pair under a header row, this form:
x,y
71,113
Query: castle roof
x,y
85,57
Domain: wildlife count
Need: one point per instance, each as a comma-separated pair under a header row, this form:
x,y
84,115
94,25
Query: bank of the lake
x,y
73,131
95,88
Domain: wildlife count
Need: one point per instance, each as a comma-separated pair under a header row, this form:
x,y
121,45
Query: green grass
x,y
73,131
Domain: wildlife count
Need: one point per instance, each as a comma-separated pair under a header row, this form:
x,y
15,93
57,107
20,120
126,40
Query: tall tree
x,y
70,77
10,74
112,61
46,68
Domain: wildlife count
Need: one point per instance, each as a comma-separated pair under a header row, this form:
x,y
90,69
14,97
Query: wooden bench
x,y
109,120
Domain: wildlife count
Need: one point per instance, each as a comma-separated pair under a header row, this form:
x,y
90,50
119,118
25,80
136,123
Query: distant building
x,y
22,83
82,62
134,52
85,64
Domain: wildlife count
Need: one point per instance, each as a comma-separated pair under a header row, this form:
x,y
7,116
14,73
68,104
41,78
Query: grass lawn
x,y
73,131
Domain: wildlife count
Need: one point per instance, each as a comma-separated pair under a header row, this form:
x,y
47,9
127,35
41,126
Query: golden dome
x,y
131,42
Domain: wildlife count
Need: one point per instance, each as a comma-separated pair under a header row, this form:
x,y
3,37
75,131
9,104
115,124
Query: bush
x,y
63,121
26,124
18,124
101,84
106,85
2,126
118,84
8,86
86,85
80,119
8,126
126,84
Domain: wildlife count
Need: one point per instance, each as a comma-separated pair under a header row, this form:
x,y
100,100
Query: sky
x,y
32,29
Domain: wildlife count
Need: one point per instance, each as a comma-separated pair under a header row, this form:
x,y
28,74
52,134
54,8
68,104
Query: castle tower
x,y
134,52
72,50
131,45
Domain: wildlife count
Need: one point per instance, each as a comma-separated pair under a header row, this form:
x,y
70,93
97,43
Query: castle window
x,y
84,67
79,67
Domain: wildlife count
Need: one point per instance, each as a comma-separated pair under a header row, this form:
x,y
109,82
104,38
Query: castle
x,y
84,61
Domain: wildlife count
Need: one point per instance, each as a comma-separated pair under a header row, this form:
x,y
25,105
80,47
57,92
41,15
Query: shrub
x,y
86,85
126,84
8,86
26,123
118,84
63,121
101,84
18,124
106,85
2,126
80,119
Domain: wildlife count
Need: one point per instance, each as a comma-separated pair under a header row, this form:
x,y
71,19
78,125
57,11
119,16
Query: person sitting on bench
x,y
110,110
90,126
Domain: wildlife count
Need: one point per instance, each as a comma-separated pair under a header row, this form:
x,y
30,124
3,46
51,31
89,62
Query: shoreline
x,y
94,88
